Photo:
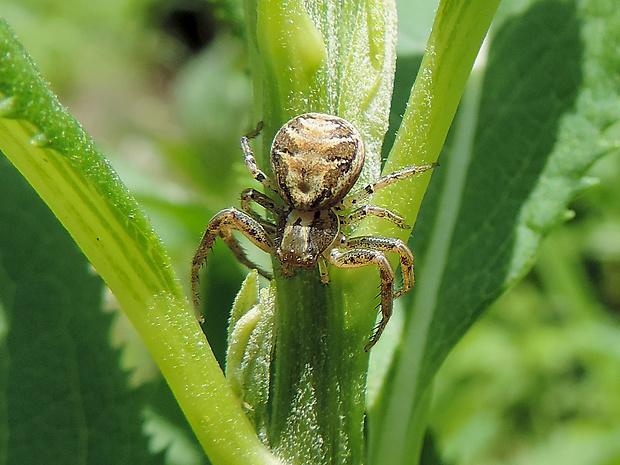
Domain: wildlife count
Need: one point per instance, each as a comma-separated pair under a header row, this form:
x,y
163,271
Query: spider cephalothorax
x,y
315,159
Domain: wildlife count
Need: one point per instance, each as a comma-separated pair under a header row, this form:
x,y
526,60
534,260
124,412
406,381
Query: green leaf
x,y
60,380
167,427
528,128
61,162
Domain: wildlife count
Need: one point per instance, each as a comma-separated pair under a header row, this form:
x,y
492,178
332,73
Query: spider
x,y
315,159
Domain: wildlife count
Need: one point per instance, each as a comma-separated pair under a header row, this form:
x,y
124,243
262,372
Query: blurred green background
x,y
163,88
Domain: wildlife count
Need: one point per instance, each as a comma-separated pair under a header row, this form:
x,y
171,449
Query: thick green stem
x,y
318,398
333,57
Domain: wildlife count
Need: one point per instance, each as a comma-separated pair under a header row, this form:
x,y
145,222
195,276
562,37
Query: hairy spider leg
x,y
360,213
362,257
222,225
322,262
250,161
388,244
386,180
252,195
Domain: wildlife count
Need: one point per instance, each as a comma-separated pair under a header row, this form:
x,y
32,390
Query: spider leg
x,y
386,180
250,161
233,244
360,213
389,244
222,225
361,257
322,261
252,195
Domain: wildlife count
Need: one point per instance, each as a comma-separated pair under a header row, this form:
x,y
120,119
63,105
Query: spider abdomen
x,y
316,159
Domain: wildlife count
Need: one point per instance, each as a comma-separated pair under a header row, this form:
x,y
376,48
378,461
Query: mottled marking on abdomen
x,y
316,160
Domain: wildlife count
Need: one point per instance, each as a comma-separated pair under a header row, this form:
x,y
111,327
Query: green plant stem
x,y
60,161
458,31
346,69
318,403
